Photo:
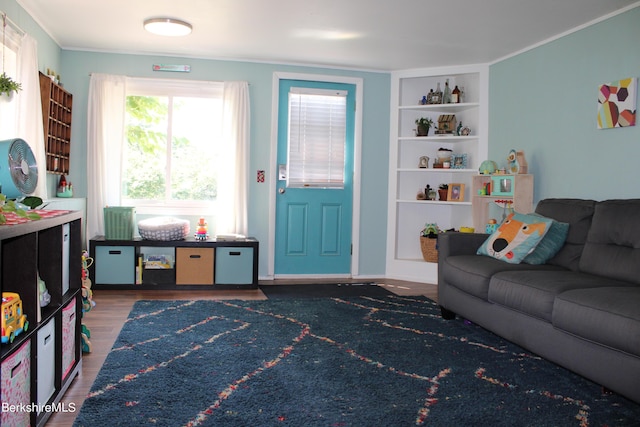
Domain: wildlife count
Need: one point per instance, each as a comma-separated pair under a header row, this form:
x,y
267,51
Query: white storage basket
x,y
163,228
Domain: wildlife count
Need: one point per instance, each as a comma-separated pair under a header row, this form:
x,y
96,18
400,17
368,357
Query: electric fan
x,y
18,169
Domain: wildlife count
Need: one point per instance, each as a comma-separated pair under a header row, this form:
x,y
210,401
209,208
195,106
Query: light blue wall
x,y
77,66
544,101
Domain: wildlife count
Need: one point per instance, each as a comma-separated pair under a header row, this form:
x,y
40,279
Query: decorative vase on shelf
x,y
455,95
446,97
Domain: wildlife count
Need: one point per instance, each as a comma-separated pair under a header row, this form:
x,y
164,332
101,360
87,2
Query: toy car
x,y
14,322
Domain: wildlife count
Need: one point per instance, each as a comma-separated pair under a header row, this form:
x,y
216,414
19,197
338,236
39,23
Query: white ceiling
x,y
364,34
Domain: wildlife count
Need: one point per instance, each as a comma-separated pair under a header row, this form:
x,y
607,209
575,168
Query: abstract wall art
x,y
617,104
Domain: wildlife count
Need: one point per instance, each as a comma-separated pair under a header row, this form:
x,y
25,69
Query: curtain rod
x,y
6,20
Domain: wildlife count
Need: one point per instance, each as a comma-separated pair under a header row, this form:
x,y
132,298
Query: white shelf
x,y
433,202
407,215
437,170
450,108
438,138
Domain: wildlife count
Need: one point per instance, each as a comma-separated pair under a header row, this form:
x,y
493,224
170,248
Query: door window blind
x,y
317,134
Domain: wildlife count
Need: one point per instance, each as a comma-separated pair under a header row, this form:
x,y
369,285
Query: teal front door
x,y
314,200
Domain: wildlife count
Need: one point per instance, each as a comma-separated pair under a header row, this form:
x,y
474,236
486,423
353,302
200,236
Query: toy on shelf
x,y
491,226
506,205
43,292
201,232
14,321
64,189
517,162
87,300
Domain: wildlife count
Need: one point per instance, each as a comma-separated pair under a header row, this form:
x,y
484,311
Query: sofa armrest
x,y
453,243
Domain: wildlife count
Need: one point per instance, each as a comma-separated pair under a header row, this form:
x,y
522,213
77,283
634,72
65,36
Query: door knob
x,y
281,190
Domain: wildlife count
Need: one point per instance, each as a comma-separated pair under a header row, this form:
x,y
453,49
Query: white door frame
x,y
357,145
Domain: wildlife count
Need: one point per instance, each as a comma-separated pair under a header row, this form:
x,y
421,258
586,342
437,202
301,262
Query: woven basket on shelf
x,y
429,248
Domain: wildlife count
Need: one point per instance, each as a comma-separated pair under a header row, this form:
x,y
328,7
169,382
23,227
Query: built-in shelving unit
x,y
406,214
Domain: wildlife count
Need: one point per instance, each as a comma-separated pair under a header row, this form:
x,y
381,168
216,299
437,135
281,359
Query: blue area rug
x,y
324,290
356,361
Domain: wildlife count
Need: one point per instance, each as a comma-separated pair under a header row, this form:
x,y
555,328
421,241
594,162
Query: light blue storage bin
x,y
115,265
234,266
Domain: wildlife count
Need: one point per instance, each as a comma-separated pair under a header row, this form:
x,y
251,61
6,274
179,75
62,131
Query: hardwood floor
x,y
112,308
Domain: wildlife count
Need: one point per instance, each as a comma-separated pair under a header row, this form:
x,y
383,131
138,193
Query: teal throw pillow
x,y
517,236
550,244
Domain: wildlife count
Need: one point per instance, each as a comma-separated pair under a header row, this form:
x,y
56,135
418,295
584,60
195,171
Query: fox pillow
x,y
517,236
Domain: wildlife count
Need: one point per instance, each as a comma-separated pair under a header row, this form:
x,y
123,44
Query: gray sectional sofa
x,y
580,310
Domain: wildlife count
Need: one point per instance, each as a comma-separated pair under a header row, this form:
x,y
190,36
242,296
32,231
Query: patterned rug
x,y
324,290
356,361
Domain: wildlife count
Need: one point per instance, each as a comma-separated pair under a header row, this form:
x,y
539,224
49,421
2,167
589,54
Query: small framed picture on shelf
x,y
424,162
456,193
459,161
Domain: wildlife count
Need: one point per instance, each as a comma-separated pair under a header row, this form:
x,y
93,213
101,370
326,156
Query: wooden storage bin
x,y
194,266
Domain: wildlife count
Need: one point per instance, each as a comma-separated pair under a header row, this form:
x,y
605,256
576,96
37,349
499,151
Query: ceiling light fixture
x,y
167,27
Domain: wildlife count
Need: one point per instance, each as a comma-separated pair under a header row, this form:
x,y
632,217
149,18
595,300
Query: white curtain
x,y
29,107
105,135
231,215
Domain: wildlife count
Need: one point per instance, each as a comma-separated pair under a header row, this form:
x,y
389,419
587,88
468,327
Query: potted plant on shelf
x,y
8,85
443,189
423,126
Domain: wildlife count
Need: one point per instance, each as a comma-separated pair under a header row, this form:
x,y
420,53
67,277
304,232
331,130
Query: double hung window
x,y
173,132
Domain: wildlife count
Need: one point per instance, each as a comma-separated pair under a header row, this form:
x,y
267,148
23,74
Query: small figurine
x,y
514,165
65,189
201,232
43,293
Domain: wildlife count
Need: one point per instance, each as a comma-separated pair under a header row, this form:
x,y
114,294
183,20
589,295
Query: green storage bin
x,y
119,222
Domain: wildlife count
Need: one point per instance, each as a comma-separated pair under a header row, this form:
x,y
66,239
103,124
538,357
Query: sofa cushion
x,y
613,244
610,316
534,292
516,237
472,273
550,244
577,213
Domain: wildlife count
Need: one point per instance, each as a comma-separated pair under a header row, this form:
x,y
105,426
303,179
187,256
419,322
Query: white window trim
x,y
181,88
